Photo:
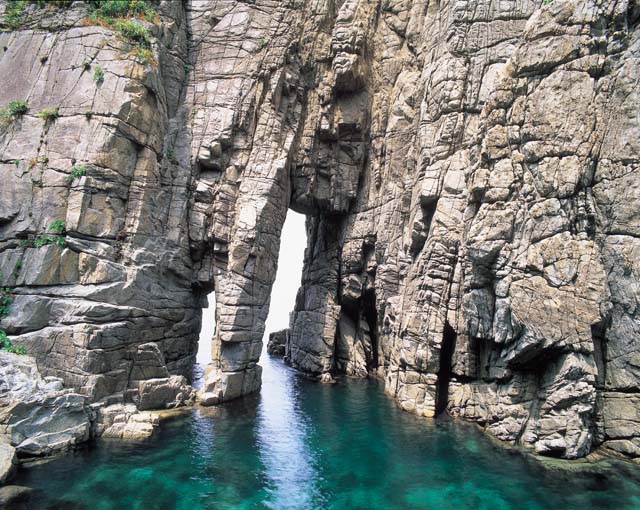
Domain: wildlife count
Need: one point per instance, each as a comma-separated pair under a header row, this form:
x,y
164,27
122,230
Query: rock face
x,y
469,170
119,421
37,416
277,342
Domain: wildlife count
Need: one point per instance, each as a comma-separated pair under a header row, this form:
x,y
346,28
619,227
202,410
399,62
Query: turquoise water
x,y
302,445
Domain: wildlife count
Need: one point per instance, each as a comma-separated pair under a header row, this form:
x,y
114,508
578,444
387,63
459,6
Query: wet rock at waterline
x,y
8,461
164,393
120,421
38,416
468,169
225,386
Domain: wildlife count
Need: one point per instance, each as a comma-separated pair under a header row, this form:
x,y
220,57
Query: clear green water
x,y
301,445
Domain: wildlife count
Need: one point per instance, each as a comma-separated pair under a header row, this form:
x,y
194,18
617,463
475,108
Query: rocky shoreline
x,y
469,173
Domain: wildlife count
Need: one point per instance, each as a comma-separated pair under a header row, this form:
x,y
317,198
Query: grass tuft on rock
x,y
6,345
17,108
98,75
76,172
11,112
49,114
126,18
15,10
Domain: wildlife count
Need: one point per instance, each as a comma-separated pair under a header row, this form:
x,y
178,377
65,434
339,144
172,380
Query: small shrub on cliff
x,y
13,13
17,108
57,226
46,239
117,14
98,75
134,32
49,114
5,301
76,172
9,114
6,345
55,235
123,9
17,349
144,54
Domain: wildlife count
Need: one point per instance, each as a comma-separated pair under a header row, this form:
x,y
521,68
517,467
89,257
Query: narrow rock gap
x,y
371,316
600,353
207,330
444,373
293,242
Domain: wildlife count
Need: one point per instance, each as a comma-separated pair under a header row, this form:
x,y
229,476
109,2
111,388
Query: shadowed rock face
x,y
469,170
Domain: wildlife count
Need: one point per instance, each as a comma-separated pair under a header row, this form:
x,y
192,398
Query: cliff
x,y
469,171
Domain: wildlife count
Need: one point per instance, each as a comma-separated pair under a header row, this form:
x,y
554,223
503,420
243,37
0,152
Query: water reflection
x,y
306,446
283,443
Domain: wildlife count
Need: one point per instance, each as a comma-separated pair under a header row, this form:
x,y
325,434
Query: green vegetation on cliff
x,y
114,14
6,299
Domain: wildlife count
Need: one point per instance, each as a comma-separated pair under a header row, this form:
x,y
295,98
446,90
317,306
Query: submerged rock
x,y
14,497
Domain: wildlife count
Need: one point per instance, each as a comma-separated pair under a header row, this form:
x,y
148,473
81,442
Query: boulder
x,y
8,460
277,342
38,417
164,393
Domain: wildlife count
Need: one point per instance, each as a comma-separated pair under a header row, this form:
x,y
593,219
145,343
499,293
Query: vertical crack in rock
x,y
444,370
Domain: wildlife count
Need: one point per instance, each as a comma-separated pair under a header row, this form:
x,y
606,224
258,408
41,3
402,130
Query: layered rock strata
x,y
469,170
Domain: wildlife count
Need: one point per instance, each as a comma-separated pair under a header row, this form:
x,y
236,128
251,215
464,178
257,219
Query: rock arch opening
x,y
207,332
293,242
252,300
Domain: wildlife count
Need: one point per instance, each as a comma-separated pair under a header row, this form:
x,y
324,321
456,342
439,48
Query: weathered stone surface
x,y
163,393
38,416
277,342
123,280
8,461
490,246
469,172
224,386
45,425
125,422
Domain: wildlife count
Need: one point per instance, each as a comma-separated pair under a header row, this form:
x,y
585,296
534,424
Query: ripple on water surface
x,y
302,445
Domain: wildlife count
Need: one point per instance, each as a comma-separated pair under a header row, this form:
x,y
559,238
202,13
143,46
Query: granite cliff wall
x,y
469,170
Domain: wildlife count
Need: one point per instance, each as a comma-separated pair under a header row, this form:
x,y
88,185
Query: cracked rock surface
x,y
469,172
